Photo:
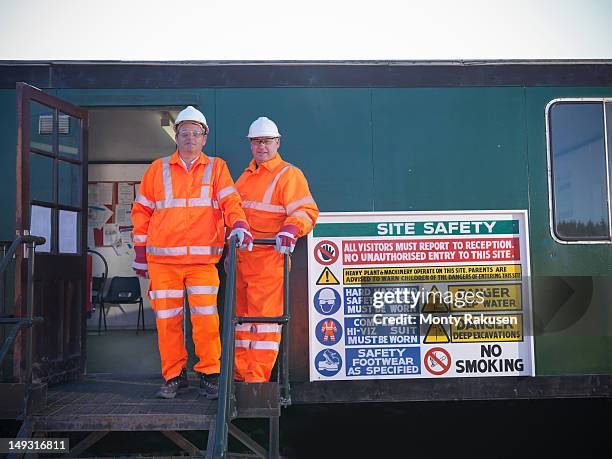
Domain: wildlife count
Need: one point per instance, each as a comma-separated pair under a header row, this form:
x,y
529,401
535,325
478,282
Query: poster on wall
x,y
110,215
396,295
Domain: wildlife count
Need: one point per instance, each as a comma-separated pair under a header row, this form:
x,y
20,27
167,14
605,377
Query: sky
x,y
273,30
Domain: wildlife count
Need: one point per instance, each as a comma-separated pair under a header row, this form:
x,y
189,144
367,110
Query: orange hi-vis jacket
x,y
180,215
275,194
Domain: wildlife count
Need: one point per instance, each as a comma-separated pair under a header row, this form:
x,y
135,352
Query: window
x,y
55,178
579,169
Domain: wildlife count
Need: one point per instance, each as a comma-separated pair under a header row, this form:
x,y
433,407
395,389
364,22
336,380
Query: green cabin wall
x,y
386,149
8,142
581,340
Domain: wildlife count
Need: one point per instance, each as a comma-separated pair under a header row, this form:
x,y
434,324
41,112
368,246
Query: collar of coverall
x,y
202,158
270,165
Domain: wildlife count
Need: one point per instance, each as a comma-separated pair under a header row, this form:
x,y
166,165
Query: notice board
x,y
109,214
397,295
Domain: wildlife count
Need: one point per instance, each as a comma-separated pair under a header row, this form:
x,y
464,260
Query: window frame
x,y
551,197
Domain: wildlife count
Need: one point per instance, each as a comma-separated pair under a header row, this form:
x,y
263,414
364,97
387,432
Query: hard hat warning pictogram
x,y
327,278
434,302
327,301
436,334
437,361
326,253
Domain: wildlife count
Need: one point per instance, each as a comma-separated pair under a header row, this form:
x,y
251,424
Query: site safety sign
x,y
419,295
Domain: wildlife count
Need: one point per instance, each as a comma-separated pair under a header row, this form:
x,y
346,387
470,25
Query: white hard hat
x,y
263,127
191,114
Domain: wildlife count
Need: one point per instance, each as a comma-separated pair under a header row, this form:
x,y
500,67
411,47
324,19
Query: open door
x,y
52,202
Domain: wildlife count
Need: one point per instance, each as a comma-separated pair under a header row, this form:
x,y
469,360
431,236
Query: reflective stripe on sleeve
x,y
243,327
202,290
265,207
158,294
168,313
167,251
301,213
203,310
245,343
139,238
140,199
300,202
140,266
226,192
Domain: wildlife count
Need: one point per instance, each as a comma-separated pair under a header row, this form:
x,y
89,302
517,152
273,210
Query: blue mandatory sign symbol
x,y
328,362
328,331
327,301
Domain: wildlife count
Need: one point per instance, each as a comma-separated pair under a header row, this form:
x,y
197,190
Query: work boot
x,y
209,386
171,387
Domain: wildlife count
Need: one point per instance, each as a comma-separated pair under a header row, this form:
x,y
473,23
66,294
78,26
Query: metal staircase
x,y
104,405
19,398
256,400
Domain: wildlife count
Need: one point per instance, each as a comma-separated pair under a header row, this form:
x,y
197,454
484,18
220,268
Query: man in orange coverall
x,y
184,202
278,205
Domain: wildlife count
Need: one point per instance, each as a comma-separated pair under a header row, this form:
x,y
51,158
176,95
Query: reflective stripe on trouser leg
x,y
260,293
242,333
202,283
242,344
166,293
263,352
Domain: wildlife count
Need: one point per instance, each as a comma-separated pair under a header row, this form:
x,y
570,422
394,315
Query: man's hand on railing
x,y
286,239
241,233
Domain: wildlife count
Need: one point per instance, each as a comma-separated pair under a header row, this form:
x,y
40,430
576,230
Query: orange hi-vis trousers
x,y
259,293
167,289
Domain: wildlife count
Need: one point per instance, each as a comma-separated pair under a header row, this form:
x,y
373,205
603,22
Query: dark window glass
x,y
41,127
41,178
580,188
69,136
69,184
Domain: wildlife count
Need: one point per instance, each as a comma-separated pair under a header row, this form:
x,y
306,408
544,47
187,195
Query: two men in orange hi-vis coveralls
x,y
184,202
278,205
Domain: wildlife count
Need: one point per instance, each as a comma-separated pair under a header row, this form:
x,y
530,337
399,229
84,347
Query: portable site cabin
x,y
370,137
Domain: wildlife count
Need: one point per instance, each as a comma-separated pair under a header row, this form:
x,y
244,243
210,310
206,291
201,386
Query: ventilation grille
x,y
45,124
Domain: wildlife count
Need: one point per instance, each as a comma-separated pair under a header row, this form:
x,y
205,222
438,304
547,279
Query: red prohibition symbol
x,y
437,361
326,253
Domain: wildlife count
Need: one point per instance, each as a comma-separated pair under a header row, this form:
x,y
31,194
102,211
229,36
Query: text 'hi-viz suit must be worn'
x,y
180,215
274,194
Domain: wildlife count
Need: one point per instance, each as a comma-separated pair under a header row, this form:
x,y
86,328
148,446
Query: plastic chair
x,y
123,290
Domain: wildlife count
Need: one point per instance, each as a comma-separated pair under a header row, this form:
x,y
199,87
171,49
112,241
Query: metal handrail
x,y
29,320
226,403
4,245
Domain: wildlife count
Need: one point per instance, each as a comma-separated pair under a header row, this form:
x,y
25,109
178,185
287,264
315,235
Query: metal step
x,y
120,405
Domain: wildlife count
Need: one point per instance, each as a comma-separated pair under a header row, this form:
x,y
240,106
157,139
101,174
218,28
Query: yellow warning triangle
x,y
434,302
436,334
327,278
